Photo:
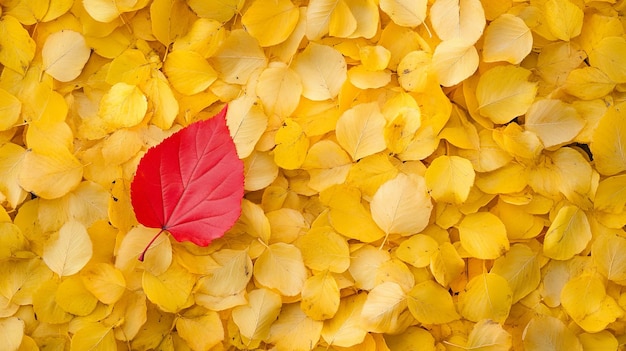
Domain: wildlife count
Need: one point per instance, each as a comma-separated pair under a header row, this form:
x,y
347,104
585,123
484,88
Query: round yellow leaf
x,y
464,19
95,337
554,121
608,142
504,92
453,61
323,249
10,108
486,296
171,290
294,330
323,71
406,13
281,267
104,281
360,130
201,332
417,250
291,145
123,106
64,55
188,72
255,319
345,328
483,235
68,251
549,332
568,234
430,303
74,298
564,18
11,331
270,21
50,176
279,89
449,179
507,38
320,296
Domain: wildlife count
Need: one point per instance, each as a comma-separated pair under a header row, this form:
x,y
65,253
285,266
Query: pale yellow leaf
x,y
359,130
464,19
453,61
504,92
68,251
270,21
507,38
64,54
281,267
405,13
483,235
486,296
255,319
323,71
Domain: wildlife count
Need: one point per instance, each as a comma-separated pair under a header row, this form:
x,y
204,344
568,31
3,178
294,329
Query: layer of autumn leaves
x,y
433,175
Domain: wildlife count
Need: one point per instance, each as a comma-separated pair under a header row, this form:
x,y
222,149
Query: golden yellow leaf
x,y
446,264
201,330
294,330
279,89
405,13
549,332
374,57
486,296
554,121
188,72
563,18
320,296
162,103
45,305
12,331
430,303
270,21
417,250
345,328
483,235
588,83
402,205
459,131
157,258
414,70
11,156
10,108
204,37
489,156
518,142
449,179
609,142
414,338
68,251
281,267
360,130
74,298
341,22
246,123
22,278
463,19
123,106
602,340
158,325
382,310
107,10
104,281
504,92
94,336
348,215
557,60
221,11
453,61
323,71
365,264
323,249
64,55
585,299
568,234
327,164
507,38
260,170
171,290
129,315
487,335
318,17
363,78
291,145
255,319
520,267
220,288
607,253
171,19
22,46
238,57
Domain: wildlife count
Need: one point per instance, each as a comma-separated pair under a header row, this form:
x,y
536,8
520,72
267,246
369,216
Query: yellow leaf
x,y
568,234
255,319
486,296
12,331
374,57
430,303
414,70
483,235
394,270
609,142
588,83
12,240
327,165
238,57
402,128
64,54
204,37
123,106
279,89
294,330
104,281
161,101
504,92
246,123
131,67
564,18
10,108
221,11
557,60
365,264
507,38
323,71
487,335
341,22
107,10
270,21
320,296
73,297
188,72
554,122
260,170
449,179
607,253
459,131
363,78
22,278
417,250
158,324
370,173
518,142
414,338
367,18
323,249
281,267
610,194
383,307
608,56
453,61
405,13
45,305
201,331
599,341
129,314
22,46
549,332
585,299
94,336
291,145
171,19
360,130
520,225
520,267
402,205
68,251
11,156
347,214
345,328
446,264
463,19
219,289
489,156
171,290
318,17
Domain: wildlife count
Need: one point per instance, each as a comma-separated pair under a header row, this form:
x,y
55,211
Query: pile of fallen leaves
x,y
432,175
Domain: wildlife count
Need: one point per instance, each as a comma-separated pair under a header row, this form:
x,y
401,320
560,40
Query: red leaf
x,y
191,184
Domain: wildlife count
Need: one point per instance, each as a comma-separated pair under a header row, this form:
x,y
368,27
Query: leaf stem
x,y
143,253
